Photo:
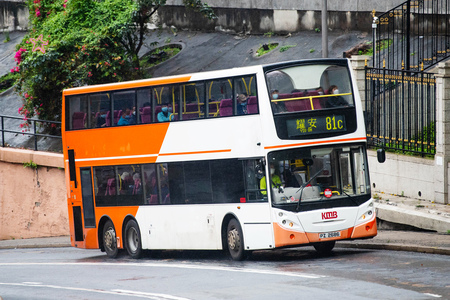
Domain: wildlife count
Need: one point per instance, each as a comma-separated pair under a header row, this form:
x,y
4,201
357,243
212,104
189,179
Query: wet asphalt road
x,y
70,273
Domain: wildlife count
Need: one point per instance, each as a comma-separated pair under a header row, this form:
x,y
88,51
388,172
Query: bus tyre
x,y
235,240
133,239
110,240
324,248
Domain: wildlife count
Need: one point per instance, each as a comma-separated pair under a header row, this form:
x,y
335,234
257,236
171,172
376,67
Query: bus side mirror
x,y
381,155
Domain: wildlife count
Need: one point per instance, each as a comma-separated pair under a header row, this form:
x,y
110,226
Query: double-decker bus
x,y
243,159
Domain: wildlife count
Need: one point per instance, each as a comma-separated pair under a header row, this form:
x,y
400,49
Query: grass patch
x,y
159,55
266,48
286,47
7,81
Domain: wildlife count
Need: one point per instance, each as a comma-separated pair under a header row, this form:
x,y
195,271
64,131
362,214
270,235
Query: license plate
x,y
327,235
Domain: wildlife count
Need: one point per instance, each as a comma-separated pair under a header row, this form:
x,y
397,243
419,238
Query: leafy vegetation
x,y
7,81
30,164
266,48
159,55
81,42
286,47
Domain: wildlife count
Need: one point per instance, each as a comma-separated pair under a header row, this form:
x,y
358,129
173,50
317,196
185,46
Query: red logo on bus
x,y
329,215
328,193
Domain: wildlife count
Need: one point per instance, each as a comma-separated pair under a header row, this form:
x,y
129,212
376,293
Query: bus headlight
x,y
366,215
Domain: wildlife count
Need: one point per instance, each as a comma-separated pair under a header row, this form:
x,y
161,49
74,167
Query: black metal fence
x,y
415,35
31,134
400,110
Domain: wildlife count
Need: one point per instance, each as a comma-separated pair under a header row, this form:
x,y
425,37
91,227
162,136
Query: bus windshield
x,y
309,87
319,174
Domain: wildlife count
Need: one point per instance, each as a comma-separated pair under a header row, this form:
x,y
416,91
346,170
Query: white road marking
x,y
154,296
433,295
179,266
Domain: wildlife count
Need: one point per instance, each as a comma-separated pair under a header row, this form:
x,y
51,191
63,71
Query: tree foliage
x,y
81,42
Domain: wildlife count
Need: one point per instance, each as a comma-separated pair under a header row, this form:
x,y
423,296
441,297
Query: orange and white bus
x,y
243,159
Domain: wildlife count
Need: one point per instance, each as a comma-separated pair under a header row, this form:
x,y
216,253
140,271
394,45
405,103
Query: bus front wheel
x,y
133,239
110,240
235,240
324,248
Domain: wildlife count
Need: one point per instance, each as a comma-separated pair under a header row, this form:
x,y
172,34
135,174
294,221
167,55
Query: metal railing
x,y
415,35
400,110
34,128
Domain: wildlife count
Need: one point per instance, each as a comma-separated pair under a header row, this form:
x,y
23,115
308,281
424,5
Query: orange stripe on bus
x,y
367,229
195,152
124,85
116,142
317,142
285,237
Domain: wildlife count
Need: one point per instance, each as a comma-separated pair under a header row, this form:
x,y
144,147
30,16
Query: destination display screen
x,y
315,125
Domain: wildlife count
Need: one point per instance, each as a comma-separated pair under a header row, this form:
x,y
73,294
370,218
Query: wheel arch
x,y
124,225
223,230
100,226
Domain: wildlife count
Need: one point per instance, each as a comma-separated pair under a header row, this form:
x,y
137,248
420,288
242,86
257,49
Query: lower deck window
x,y
193,182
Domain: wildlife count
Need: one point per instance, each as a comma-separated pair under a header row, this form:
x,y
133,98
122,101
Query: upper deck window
x,y
218,97
309,87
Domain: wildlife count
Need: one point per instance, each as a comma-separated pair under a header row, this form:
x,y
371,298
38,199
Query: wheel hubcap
x,y
233,239
133,240
110,237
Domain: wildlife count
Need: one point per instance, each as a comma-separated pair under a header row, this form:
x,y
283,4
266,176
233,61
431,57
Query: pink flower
x,y
64,5
38,13
12,70
26,95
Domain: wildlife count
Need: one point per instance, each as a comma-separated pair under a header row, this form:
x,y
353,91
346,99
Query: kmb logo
x,y
329,215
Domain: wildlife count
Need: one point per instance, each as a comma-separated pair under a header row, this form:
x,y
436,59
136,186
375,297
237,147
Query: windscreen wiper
x,y
351,198
304,185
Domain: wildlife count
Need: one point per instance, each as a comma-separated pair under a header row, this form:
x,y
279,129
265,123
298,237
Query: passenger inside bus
x,y
242,104
278,106
165,115
275,180
126,118
335,101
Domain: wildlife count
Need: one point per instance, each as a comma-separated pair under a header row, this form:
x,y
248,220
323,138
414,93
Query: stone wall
x,y
281,17
13,15
253,16
403,175
32,200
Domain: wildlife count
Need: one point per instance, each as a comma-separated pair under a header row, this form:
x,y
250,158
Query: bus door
x,y
87,197
75,203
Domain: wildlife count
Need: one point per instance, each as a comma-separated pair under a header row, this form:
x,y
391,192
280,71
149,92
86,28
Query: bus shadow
x,y
280,255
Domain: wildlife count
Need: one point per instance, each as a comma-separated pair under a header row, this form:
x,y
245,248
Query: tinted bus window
x,y
100,110
144,107
76,112
309,87
124,108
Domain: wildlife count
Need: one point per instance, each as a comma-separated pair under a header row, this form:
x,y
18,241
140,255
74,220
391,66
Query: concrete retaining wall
x,y
281,17
254,16
402,175
13,15
32,201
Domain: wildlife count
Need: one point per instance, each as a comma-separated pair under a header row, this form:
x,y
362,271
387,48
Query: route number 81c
x,y
333,124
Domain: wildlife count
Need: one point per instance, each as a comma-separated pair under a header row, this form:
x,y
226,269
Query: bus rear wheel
x,y
235,240
110,240
133,239
324,248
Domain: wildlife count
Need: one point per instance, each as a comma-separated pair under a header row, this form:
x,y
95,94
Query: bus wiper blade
x,y
351,198
304,185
